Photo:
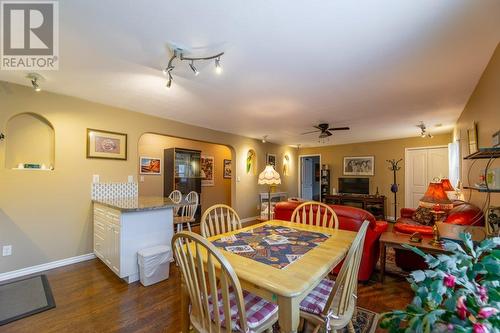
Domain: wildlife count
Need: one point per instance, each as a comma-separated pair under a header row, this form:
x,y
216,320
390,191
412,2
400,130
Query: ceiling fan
x,y
325,130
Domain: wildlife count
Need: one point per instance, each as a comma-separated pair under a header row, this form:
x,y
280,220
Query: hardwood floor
x,y
90,298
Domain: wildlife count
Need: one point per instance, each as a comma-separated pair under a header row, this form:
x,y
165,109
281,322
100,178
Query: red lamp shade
x,y
447,185
436,197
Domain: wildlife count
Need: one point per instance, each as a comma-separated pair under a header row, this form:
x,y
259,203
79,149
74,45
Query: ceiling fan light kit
x,y
325,131
179,54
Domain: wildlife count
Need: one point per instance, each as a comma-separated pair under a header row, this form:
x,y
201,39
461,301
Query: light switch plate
x,y
95,178
7,250
142,179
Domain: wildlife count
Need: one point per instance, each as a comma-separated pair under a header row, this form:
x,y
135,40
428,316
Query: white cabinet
x,y
118,235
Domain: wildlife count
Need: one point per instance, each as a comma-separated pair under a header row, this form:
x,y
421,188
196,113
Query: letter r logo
x,y
28,28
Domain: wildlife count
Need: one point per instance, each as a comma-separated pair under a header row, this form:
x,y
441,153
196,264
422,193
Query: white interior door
x,y
422,166
307,178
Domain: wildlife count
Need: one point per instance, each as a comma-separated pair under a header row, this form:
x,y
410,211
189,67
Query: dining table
x,y
286,285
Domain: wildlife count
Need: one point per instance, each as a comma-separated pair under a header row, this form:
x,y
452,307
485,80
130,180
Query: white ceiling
x,y
377,66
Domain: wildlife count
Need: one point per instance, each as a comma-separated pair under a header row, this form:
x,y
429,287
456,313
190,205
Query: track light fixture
x,y
179,54
218,67
264,139
35,78
193,68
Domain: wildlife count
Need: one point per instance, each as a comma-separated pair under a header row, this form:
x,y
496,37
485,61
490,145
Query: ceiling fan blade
x,y
339,128
310,132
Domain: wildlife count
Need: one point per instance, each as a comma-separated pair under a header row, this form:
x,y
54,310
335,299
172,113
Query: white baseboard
x,y
249,219
44,267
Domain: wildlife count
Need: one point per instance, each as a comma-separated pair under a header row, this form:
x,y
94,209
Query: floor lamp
x,y
269,177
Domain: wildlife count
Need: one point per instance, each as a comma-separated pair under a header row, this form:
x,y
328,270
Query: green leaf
x,y
418,276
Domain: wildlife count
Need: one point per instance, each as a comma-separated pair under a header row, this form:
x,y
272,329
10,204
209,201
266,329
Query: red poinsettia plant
x,y
460,292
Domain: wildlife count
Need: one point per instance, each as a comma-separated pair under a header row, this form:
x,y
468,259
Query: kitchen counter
x,y
137,204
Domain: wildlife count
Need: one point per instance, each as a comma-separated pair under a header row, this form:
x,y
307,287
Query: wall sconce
x,y
2,137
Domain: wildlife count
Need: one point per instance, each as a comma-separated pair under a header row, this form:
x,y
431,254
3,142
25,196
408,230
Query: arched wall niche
x,y
29,138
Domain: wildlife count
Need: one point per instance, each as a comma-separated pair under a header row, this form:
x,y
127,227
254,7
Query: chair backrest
x,y
219,219
345,287
175,196
315,213
192,198
204,279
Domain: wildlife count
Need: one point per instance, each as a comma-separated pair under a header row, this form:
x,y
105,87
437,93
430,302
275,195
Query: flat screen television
x,y
354,185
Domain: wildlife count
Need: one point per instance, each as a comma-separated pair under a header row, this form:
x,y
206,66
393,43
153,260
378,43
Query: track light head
x,y
264,139
35,85
218,67
168,69
195,71
169,82
2,136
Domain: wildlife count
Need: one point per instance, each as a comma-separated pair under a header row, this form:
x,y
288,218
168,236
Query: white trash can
x,y
154,264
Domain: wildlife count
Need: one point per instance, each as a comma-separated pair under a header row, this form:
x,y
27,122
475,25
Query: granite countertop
x,y
136,204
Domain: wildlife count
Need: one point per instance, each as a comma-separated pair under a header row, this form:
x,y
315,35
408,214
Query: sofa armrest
x,y
407,212
381,226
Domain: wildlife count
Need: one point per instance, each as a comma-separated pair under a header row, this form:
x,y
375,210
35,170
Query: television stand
x,y
371,203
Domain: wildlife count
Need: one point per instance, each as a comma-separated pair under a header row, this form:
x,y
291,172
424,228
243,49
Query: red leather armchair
x,y
350,218
462,213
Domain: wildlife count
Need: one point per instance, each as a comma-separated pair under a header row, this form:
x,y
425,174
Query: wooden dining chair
x,y
188,211
176,197
219,219
333,303
218,304
315,213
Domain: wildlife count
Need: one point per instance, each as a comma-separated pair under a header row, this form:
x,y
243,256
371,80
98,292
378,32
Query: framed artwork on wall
x,y
227,168
106,144
359,166
207,170
251,163
472,138
271,160
150,166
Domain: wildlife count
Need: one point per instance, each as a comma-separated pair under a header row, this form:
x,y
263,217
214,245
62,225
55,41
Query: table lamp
x,y
448,188
435,198
269,177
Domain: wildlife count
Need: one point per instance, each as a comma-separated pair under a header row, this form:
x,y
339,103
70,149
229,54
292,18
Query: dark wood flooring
x,y
90,298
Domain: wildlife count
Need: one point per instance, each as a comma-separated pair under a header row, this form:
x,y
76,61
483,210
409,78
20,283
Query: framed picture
x,y
227,168
359,165
150,166
207,170
271,160
251,162
472,139
106,144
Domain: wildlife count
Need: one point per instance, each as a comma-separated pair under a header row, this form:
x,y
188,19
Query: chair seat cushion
x,y
315,302
258,309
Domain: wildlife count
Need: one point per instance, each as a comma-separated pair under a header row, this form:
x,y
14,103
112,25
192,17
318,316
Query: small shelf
x,y
484,153
482,189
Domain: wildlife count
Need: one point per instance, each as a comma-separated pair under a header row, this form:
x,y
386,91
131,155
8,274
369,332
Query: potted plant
x,y
460,292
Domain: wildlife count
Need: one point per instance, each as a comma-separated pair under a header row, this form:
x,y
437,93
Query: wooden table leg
x,y
184,308
288,314
382,261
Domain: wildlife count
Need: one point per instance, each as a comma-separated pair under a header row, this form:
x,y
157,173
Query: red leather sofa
x,y
350,218
462,213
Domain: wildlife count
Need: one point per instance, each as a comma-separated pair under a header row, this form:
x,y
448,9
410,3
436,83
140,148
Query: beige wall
x,y
382,150
152,145
483,108
46,216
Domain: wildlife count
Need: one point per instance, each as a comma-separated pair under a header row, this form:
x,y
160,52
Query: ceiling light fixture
x,y
193,68
423,131
35,78
179,54
264,139
218,67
